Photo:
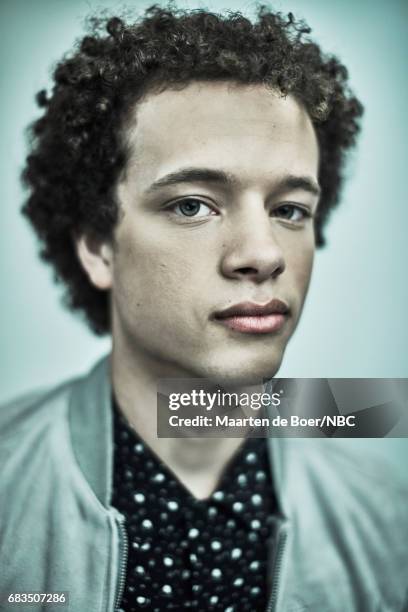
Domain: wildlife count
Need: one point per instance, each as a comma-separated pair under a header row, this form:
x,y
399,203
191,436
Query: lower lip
x,y
265,324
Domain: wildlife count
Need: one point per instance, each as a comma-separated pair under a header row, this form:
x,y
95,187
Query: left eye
x,y
192,208
291,212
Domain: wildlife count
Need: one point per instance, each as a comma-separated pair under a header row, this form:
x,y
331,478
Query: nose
x,y
252,250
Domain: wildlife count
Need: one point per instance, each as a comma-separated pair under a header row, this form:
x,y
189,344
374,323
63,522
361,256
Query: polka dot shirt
x,y
190,554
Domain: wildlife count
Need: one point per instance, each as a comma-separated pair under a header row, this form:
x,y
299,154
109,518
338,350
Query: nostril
x,y
247,270
278,271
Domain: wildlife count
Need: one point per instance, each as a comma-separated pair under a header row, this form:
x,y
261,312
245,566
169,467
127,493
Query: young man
x,y
180,179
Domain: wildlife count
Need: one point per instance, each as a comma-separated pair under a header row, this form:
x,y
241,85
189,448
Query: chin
x,y
240,372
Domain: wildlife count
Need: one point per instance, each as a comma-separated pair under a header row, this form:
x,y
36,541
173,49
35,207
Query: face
x,y
214,250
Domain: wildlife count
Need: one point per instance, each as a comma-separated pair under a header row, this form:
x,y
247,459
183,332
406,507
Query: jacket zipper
x,y
280,549
123,552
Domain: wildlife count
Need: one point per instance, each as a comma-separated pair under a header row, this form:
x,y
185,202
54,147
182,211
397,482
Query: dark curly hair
x,y
77,148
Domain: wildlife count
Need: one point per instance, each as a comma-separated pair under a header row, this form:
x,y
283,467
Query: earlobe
x,y
96,258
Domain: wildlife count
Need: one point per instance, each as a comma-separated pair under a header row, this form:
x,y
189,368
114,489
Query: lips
x,y
252,318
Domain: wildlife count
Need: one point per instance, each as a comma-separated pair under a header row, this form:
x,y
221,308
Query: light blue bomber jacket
x,y
341,542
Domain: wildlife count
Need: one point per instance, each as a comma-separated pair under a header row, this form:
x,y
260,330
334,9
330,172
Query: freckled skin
x,y
169,276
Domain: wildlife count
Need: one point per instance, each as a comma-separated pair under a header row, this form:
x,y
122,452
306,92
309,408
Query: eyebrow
x,y
210,175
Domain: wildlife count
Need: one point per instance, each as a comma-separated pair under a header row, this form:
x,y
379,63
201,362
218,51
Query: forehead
x,y
248,130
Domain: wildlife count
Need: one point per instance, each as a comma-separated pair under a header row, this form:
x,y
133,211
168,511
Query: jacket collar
x,y
90,415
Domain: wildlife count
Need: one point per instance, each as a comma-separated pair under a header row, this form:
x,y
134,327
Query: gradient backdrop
x,y
354,323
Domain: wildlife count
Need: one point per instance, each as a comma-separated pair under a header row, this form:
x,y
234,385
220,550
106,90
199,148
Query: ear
x,y
96,257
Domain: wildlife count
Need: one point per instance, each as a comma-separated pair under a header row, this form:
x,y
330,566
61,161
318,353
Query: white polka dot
x,y
254,565
193,533
158,477
236,553
256,499
255,524
216,545
138,448
242,480
168,561
216,573
237,506
147,524
139,569
214,599
139,498
251,458
255,591
172,505
238,582
167,589
218,495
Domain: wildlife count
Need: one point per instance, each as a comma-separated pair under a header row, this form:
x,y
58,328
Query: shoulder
x,y
362,465
37,408
33,411
30,407
354,506
350,466
345,478
363,498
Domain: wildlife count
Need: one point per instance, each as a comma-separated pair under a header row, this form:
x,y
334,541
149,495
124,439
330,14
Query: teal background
x,y
354,323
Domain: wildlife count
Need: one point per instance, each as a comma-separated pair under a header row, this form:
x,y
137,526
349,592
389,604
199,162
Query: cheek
x,y
301,264
153,274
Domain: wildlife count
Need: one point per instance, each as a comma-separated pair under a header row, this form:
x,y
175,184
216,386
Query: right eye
x,y
192,207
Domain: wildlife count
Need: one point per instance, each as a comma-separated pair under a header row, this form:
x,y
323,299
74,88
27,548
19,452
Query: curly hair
x,y
77,149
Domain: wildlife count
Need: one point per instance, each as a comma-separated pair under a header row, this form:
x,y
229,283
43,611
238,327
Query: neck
x,y
197,462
